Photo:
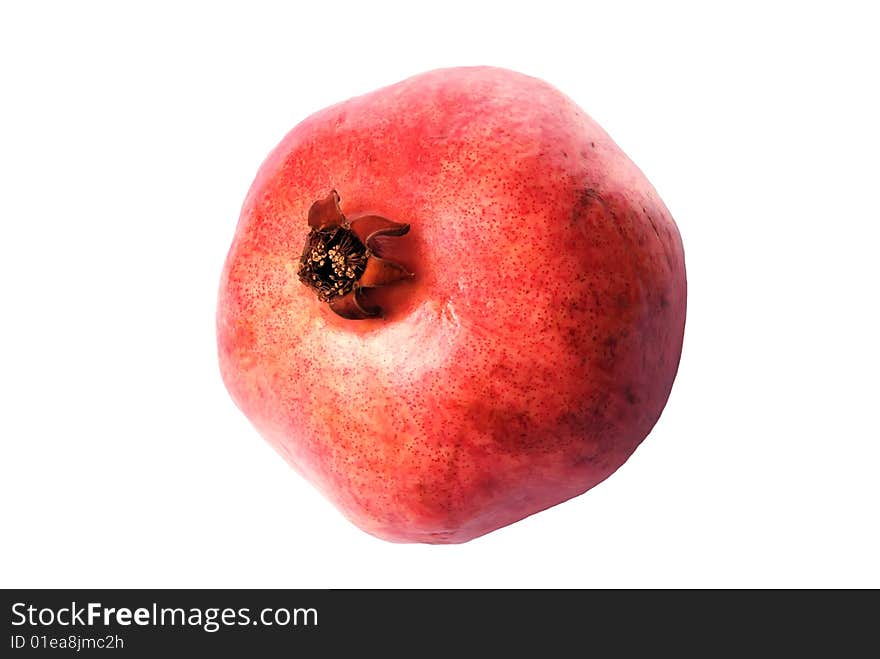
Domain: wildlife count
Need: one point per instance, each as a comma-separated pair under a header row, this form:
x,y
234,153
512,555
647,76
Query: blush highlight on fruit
x,y
452,303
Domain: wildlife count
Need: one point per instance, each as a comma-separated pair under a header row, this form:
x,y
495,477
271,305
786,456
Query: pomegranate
x,y
451,303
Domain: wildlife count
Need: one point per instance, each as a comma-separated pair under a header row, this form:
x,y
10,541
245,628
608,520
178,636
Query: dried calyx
x,y
340,258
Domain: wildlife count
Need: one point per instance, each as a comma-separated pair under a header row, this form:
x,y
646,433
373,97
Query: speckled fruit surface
x,y
531,353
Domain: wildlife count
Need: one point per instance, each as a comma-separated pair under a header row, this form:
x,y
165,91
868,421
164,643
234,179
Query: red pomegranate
x,y
452,303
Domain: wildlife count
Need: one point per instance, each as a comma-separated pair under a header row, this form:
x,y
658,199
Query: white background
x,y
129,135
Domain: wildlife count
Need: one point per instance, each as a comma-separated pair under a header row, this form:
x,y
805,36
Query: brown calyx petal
x,y
353,306
326,213
368,227
380,272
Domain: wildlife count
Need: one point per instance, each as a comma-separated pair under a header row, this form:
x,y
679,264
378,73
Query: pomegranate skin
x,y
534,349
